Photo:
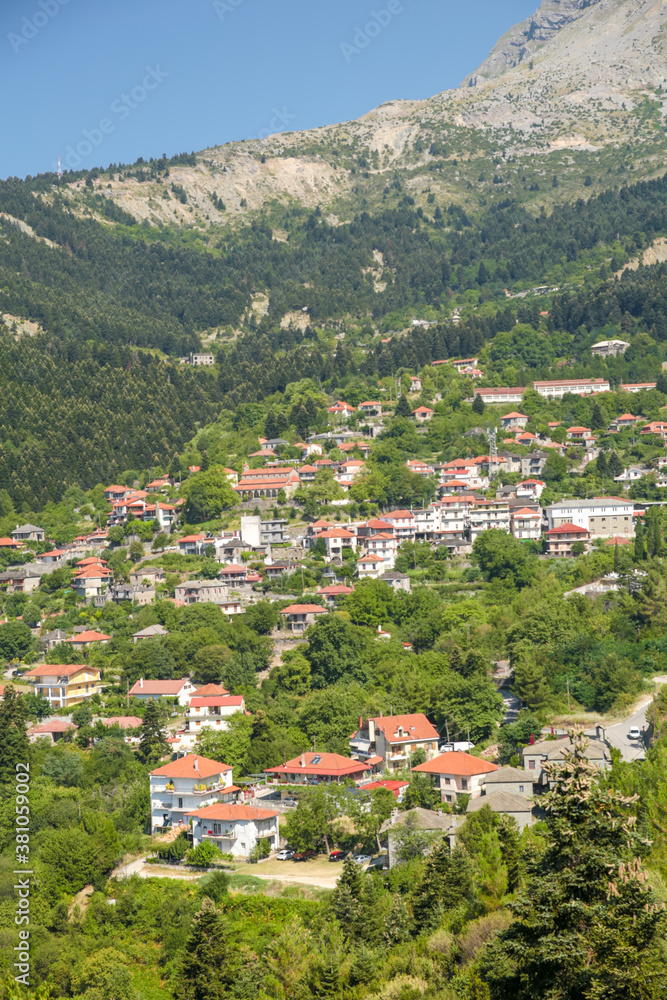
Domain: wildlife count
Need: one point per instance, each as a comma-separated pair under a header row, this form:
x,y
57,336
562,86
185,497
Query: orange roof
x,y
398,515
514,414
160,689
327,763
365,559
89,636
192,538
321,524
414,727
525,512
422,409
578,430
92,561
232,812
184,767
336,533
58,670
568,529
213,701
114,488
209,691
307,468
10,543
303,609
335,590
458,763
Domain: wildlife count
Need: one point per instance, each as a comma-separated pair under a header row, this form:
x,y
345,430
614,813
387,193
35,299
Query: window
x,y
464,784
447,781
448,798
180,803
521,788
531,765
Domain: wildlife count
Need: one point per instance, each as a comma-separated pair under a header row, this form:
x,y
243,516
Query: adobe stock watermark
x,y
224,7
278,123
24,873
31,26
122,108
377,22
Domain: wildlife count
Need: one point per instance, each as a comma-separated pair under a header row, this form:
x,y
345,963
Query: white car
x,y
634,733
285,855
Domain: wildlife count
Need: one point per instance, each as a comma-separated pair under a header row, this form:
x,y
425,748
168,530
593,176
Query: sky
x,y
98,82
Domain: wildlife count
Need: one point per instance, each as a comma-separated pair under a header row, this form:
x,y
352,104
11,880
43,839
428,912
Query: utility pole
x,y
447,729
568,693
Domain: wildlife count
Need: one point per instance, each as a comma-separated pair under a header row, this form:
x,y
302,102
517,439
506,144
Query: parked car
x,y
285,855
337,856
634,733
304,855
362,859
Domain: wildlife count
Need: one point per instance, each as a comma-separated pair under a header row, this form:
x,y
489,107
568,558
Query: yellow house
x,y
64,685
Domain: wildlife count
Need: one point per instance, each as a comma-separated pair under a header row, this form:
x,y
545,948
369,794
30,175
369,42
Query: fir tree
x,y
588,896
640,545
478,405
362,970
403,407
14,744
399,925
510,846
153,744
370,910
206,969
617,558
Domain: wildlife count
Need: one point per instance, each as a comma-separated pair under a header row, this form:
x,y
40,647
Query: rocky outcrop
x,y
523,40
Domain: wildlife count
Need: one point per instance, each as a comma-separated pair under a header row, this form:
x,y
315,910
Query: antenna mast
x,y
493,451
60,169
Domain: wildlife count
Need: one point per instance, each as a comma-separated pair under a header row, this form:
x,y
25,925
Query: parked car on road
x,y
304,855
337,856
634,733
285,855
362,859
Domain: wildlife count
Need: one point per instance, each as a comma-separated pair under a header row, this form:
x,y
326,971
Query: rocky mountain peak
x,y
525,39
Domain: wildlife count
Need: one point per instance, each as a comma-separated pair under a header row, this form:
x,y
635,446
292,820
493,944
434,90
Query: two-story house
x,y
597,752
234,828
335,540
313,768
394,738
526,523
64,685
297,617
182,689
456,773
561,539
184,785
28,533
209,712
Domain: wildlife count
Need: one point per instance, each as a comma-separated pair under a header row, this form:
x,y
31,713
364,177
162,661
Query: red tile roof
x,y
332,764
58,670
184,767
210,690
392,786
415,727
231,812
458,763
164,689
303,609
231,701
124,721
568,529
89,636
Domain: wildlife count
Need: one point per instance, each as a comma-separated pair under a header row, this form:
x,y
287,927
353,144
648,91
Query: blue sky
x,y
134,78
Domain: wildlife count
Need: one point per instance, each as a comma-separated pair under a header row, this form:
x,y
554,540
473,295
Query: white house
x,y
209,713
526,523
185,785
456,773
234,828
65,685
181,689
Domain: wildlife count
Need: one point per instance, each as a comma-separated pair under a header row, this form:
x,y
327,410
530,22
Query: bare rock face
x,y
524,39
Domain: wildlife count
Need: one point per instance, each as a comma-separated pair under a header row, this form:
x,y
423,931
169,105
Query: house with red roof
x,y
182,690
192,545
341,409
65,685
370,408
88,638
335,540
423,415
561,539
209,712
456,773
580,435
397,788
530,489
370,566
235,828
403,523
112,493
313,768
307,474
297,617
334,592
514,421
185,785
526,524
53,730
394,738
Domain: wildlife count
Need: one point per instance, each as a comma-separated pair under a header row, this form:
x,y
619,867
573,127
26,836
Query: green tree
x,y
478,404
403,408
640,544
32,616
588,895
207,966
530,681
203,854
334,649
293,674
262,617
15,640
104,976
207,495
136,551
153,744
502,557
14,745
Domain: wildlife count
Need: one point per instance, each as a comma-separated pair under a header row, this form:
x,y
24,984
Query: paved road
x,y
618,735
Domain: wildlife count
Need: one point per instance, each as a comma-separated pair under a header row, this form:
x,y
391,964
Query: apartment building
x,y
576,386
603,517
486,514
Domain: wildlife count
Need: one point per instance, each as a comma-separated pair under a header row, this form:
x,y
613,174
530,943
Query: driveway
x,y
618,734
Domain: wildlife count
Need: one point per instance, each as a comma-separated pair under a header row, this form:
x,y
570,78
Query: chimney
x,y
141,682
303,760
196,764
371,730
